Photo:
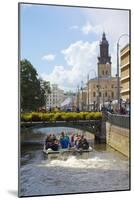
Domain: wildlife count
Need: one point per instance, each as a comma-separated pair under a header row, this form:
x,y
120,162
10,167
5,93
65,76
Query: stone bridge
x,y
93,126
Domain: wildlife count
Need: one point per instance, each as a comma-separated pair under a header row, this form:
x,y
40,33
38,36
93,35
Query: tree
x,y
34,90
30,87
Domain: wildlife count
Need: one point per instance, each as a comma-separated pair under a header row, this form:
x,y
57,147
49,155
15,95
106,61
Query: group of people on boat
x,y
65,141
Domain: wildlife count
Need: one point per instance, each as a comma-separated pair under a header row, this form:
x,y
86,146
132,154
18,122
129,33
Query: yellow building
x,y
125,72
102,89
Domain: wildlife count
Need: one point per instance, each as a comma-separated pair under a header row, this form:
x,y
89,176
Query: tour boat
x,y
63,153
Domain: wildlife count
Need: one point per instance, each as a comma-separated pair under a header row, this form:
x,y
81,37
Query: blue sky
x,y
62,43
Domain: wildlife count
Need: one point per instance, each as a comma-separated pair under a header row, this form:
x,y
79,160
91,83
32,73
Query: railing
x,y
118,120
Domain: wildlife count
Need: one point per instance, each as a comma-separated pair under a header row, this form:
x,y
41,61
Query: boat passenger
x,y
55,145
53,137
64,141
67,139
78,137
48,141
83,143
72,142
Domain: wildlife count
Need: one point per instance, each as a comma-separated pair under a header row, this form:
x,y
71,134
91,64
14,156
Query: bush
x,y
48,117
97,115
26,117
57,116
36,117
60,116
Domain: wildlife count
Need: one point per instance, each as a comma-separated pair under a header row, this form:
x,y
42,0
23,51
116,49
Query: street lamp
x,y
88,92
118,78
78,98
82,95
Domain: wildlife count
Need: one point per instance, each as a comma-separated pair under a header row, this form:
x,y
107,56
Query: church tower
x,y
104,60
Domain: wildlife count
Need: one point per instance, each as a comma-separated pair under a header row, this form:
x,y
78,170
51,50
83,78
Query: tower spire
x,y
104,60
104,51
103,36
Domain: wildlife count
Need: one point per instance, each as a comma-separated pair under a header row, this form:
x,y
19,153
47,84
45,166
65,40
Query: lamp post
x,y
98,97
78,98
118,78
88,92
103,99
82,95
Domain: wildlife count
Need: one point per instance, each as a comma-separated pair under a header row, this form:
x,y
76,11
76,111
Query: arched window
x,y
94,94
105,94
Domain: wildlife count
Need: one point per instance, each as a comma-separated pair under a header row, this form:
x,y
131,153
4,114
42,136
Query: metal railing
x,y
118,120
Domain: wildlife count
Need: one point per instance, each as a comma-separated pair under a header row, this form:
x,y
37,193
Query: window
x,y
103,72
112,95
106,72
112,86
105,94
99,94
94,94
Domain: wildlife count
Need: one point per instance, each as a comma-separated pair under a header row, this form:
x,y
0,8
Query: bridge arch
x,y
92,126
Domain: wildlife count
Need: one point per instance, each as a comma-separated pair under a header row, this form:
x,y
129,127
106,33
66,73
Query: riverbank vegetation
x,y
34,90
60,116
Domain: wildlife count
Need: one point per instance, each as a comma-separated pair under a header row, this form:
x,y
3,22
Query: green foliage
x,y
60,116
26,117
57,116
34,90
36,117
98,115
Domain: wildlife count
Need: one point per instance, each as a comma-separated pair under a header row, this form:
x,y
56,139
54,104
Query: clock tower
x,y
104,60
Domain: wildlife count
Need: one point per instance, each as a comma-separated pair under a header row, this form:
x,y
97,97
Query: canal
x,y
104,170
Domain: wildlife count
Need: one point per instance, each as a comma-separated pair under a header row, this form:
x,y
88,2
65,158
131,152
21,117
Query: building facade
x,y
55,98
102,89
125,72
82,98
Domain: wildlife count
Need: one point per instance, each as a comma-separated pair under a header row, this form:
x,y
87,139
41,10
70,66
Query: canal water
x,y
104,170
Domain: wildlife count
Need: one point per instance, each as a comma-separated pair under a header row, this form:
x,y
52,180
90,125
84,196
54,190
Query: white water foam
x,y
73,162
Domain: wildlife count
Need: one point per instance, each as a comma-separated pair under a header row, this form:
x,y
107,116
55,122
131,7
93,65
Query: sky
x,y
62,43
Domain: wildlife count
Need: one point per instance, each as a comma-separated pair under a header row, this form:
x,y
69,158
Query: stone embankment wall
x,y
118,138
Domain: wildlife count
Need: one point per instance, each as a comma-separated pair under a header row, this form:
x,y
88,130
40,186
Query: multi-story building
x,y
55,98
82,98
125,72
103,88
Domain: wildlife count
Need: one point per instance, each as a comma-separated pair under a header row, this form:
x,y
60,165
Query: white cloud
x,y
80,58
48,57
88,28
